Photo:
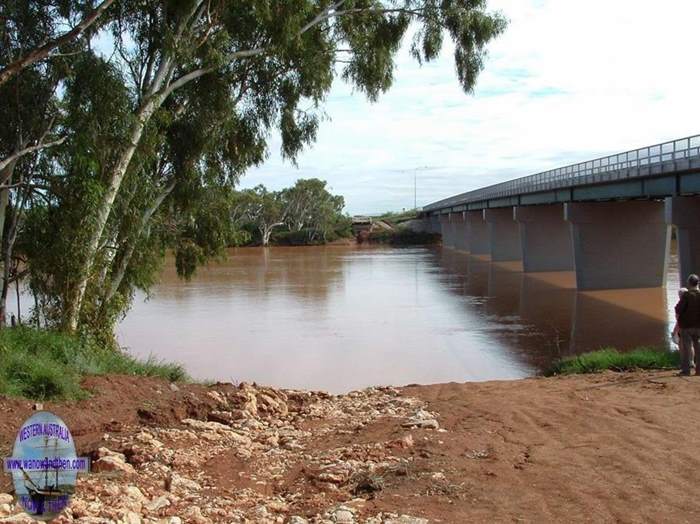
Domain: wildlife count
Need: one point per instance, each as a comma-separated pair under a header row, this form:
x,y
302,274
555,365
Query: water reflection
x,y
340,318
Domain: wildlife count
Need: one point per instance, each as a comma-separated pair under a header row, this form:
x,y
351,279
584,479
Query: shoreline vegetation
x,y
610,359
42,365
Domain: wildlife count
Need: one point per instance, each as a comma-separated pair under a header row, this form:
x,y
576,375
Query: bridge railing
x,y
645,161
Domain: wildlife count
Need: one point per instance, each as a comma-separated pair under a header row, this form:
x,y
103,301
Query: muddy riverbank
x,y
603,448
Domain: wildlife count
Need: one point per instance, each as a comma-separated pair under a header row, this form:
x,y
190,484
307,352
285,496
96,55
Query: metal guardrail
x,y
647,161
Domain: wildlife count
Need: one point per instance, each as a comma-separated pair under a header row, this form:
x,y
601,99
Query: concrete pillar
x,y
619,244
478,233
504,234
447,228
545,238
684,213
435,224
461,230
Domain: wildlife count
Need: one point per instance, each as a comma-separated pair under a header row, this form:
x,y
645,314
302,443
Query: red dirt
x,y
602,448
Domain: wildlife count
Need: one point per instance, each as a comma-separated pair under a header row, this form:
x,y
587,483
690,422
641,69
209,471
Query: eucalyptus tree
x,y
30,30
278,60
309,205
265,210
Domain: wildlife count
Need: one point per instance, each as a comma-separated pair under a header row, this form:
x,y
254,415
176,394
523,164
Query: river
x,y
339,318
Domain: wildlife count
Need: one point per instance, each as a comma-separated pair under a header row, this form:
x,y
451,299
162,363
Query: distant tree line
x,y
126,125
305,213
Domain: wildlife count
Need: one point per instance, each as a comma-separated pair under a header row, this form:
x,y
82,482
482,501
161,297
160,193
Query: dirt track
x,y
604,448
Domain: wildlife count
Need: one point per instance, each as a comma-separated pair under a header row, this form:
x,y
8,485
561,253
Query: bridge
x,y
608,219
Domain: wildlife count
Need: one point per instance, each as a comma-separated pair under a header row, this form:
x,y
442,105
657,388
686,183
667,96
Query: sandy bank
x,y
603,448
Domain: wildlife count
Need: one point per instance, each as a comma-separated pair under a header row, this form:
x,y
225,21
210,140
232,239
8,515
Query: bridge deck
x,y
670,168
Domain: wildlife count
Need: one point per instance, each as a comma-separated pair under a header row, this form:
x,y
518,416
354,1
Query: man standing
x,y
688,315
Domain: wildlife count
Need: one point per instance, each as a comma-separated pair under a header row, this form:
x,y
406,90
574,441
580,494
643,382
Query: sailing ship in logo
x,y
44,466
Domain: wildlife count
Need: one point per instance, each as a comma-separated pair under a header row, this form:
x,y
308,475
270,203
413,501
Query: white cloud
x,y
569,80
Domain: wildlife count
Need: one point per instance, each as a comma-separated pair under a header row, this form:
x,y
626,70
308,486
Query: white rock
x,y
343,515
157,504
131,517
406,519
134,493
170,520
180,483
111,463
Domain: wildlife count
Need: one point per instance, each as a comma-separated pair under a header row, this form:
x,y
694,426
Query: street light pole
x,y
415,199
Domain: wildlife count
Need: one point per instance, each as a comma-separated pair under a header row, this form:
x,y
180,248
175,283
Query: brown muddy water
x,y
341,318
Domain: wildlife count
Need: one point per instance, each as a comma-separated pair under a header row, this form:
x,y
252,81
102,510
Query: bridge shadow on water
x,y
537,318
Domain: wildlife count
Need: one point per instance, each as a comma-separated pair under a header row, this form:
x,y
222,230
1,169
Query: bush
x,y
42,365
403,237
612,359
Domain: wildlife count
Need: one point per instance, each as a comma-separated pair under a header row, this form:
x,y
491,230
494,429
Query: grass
x,y
612,359
42,365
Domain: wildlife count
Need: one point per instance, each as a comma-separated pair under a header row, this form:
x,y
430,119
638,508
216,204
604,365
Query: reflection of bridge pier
x,y
599,315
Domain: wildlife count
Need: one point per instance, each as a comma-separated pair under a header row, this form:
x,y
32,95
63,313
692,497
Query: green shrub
x,y
40,364
612,359
403,237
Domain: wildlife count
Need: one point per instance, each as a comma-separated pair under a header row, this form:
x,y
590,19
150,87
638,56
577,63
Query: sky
x,y
569,80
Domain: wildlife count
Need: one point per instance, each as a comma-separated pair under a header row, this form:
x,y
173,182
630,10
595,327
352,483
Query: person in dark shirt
x,y
688,315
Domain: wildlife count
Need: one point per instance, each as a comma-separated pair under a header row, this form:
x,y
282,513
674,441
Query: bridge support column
x,y
504,234
619,244
684,213
435,224
478,241
448,231
545,237
460,228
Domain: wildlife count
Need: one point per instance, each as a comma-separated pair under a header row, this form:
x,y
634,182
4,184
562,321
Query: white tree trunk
x,y
115,177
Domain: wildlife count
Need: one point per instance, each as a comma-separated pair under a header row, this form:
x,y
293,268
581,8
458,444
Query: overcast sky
x,y
568,81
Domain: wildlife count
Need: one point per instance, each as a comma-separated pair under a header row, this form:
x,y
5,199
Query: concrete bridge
x,y
608,219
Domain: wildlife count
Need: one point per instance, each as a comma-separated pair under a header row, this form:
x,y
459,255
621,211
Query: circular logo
x,y
44,466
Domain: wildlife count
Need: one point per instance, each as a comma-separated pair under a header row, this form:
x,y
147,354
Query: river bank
x,y
608,447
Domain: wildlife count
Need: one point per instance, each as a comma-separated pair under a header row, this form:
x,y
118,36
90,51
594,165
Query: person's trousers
x,y
690,349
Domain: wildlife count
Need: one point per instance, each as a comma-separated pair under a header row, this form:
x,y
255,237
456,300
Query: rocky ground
x,y
603,448
235,454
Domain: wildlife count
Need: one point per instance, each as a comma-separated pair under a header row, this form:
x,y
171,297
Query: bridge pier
x,y
461,231
684,213
504,234
478,241
619,245
545,237
435,224
448,231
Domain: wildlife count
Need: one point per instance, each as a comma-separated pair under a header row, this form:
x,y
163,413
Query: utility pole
x,y
415,199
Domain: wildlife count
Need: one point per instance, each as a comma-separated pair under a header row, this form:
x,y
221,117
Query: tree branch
x,y
30,149
44,51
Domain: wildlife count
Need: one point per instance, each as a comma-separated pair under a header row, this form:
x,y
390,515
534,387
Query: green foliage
x,y
159,128
396,217
612,359
305,213
403,237
42,365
